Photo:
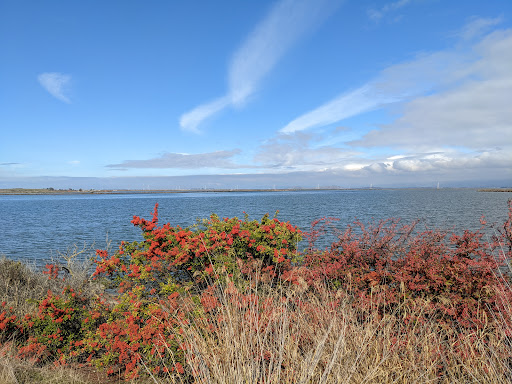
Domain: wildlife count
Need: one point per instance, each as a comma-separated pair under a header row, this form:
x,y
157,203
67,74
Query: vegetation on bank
x,y
233,300
43,191
495,190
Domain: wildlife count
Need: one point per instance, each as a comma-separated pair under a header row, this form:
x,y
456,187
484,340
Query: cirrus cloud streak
x,y
285,24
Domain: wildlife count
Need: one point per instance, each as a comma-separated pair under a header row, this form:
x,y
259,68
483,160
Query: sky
x,y
255,94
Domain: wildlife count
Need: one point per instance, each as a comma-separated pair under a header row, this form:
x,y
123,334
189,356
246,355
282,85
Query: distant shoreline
x,y
24,191
495,190
50,191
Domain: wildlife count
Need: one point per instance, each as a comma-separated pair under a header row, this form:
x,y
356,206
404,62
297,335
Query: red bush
x,y
391,264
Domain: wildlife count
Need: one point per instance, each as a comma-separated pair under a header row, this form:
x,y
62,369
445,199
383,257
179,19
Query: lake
x,y
36,228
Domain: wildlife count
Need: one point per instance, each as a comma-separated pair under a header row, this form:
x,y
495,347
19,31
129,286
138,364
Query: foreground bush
x,y
234,301
390,267
173,256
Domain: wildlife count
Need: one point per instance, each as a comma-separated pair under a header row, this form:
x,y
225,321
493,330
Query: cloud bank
x,y
57,85
285,24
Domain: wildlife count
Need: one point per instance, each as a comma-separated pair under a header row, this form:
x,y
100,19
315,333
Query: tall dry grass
x,y
289,335
15,371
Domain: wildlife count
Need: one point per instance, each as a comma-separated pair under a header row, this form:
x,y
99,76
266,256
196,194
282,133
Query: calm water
x,y
37,228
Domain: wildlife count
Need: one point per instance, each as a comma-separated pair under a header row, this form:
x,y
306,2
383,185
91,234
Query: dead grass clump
x,y
21,285
16,371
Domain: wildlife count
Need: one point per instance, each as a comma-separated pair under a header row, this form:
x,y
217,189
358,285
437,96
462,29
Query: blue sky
x,y
263,94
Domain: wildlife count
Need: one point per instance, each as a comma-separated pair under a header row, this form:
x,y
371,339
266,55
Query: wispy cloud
x,y
376,14
477,26
392,85
465,76
57,84
218,159
346,105
288,21
191,120
284,25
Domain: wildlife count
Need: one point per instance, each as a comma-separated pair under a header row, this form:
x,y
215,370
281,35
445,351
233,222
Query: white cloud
x,y
452,161
346,105
56,84
218,159
301,151
474,113
285,24
190,120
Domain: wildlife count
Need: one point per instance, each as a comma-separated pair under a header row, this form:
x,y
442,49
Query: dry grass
x,y
15,371
21,285
281,341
